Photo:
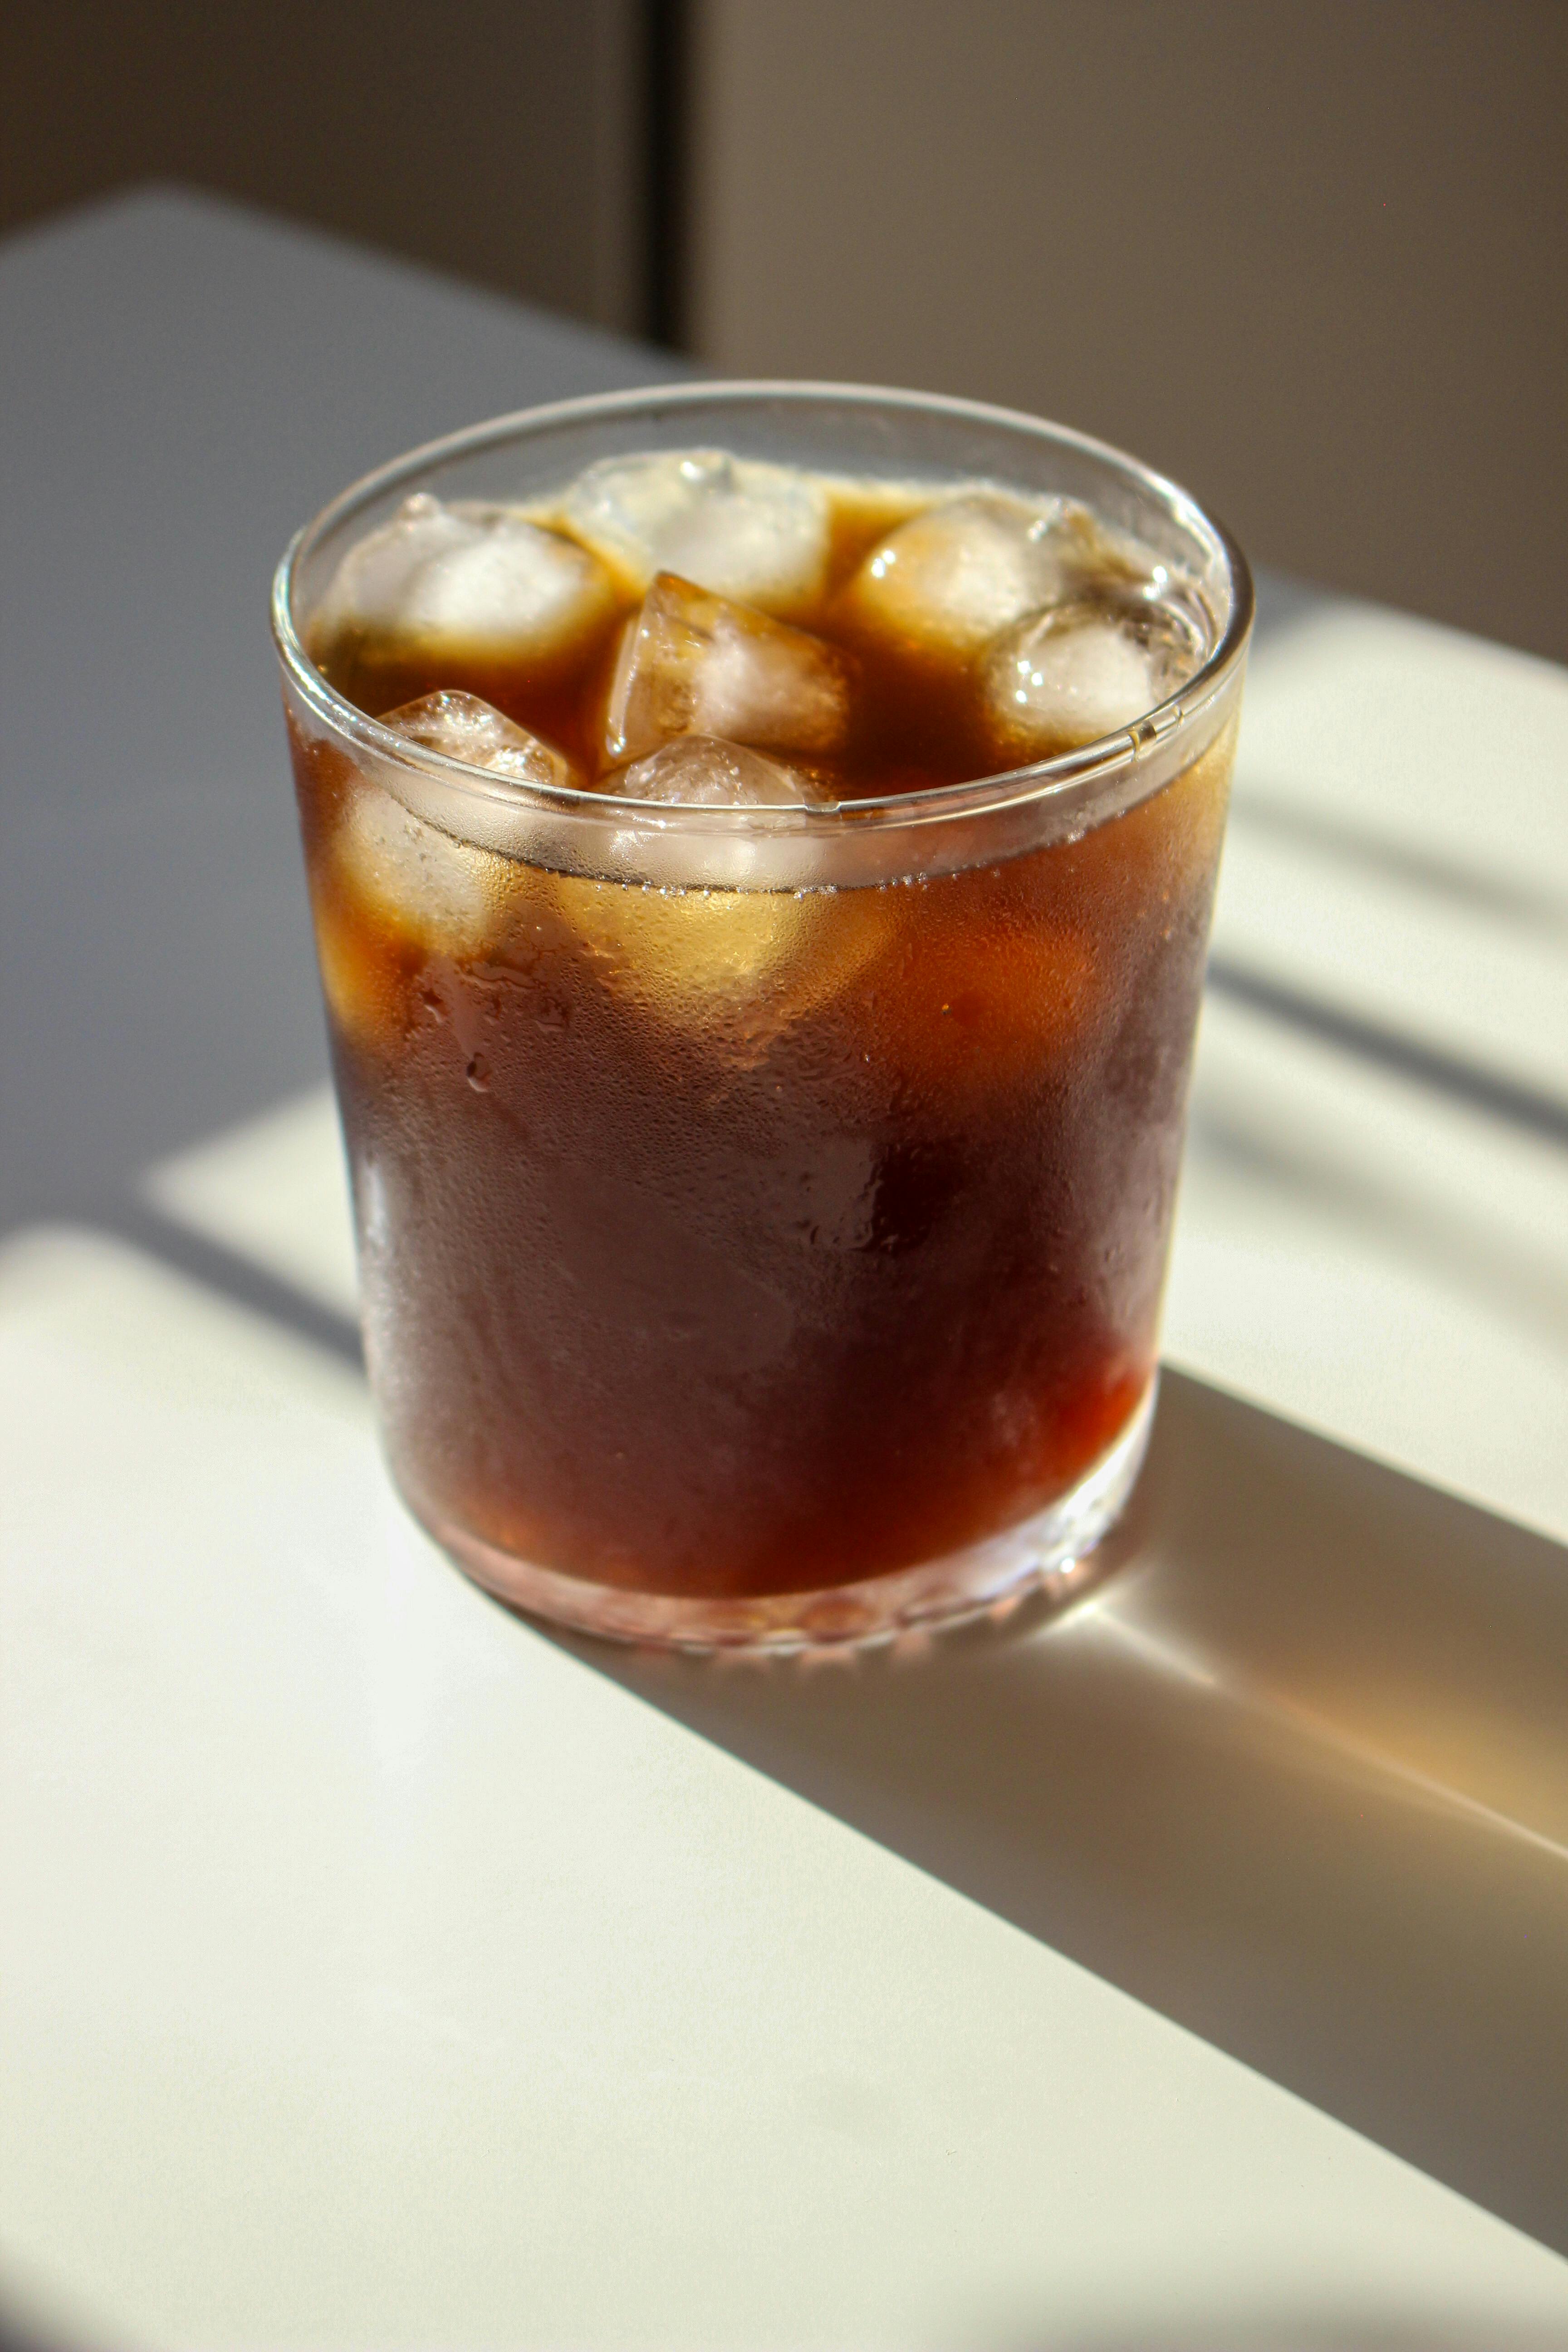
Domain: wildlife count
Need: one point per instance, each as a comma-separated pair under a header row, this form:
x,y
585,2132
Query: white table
x,y
374,1971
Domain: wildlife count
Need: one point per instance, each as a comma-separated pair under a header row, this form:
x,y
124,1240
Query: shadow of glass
x,y
1294,1773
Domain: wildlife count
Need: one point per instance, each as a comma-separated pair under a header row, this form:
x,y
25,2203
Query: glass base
x,y
1045,1554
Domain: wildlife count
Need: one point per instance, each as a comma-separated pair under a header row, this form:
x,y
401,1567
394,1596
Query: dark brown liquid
x,y
753,1271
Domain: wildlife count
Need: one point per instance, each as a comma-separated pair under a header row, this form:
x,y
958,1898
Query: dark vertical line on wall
x,y
667,54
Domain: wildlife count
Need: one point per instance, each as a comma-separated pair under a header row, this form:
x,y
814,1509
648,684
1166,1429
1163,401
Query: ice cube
x,y
428,888
710,938
466,728
1083,669
695,664
734,525
730,969
483,577
955,574
700,772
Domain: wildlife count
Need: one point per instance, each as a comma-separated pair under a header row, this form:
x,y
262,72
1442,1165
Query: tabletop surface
x,y
374,1971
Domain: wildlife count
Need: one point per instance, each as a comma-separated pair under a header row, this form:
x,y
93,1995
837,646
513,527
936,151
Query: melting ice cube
x,y
698,771
730,968
412,879
484,577
955,574
1081,671
736,526
731,943
407,882
695,664
466,728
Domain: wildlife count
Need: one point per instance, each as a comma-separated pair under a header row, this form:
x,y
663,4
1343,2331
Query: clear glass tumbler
x,y
762,1212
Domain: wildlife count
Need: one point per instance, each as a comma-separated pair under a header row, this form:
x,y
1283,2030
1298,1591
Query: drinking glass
x,y
762,1212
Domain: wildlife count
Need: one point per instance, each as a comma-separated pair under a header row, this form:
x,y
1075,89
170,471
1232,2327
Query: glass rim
x,y
1109,756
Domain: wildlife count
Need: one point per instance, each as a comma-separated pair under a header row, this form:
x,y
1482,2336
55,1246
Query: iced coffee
x,y
761,898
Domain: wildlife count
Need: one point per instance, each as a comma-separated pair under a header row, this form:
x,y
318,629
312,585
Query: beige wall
x,y
500,139
1309,256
